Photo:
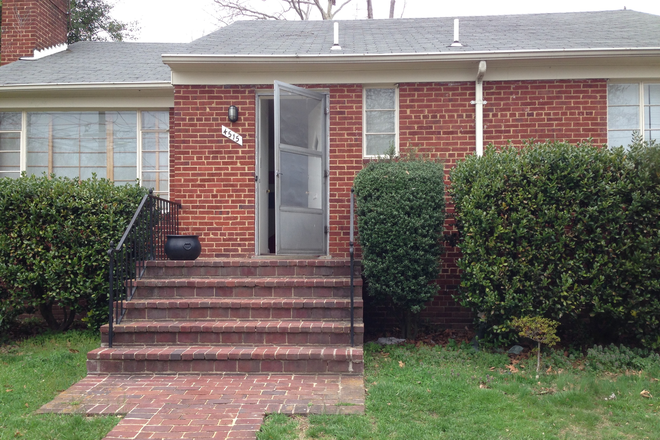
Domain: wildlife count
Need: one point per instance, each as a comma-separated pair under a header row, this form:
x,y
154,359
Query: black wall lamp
x,y
232,114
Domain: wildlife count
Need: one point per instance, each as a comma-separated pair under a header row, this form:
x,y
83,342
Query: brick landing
x,y
229,406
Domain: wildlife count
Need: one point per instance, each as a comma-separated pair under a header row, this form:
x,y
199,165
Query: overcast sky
x,y
181,21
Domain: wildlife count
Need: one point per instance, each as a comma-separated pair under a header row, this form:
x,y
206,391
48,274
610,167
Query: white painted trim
x,y
165,85
171,59
38,54
138,150
406,72
23,142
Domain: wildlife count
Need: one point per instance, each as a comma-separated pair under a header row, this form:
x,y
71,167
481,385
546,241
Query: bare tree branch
x,y
336,11
370,9
231,10
392,2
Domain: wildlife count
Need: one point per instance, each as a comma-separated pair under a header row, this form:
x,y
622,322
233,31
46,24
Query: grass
x,y
32,373
457,393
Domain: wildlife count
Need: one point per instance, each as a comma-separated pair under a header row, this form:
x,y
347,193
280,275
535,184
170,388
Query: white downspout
x,y
479,108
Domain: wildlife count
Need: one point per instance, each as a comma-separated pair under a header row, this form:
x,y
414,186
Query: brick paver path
x,y
206,406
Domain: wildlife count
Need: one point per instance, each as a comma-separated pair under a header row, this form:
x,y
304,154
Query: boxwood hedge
x,y
401,212
54,236
565,232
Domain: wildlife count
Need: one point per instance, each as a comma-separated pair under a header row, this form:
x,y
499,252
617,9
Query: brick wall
x,y
214,177
31,24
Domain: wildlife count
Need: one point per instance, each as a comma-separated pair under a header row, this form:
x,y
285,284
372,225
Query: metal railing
x,y
143,240
351,247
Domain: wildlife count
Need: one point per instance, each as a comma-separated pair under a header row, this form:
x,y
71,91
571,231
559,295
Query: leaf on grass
x,y
492,368
483,386
9,391
653,379
402,364
512,368
27,406
73,350
645,394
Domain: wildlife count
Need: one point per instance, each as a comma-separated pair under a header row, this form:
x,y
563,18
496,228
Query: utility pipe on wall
x,y
479,108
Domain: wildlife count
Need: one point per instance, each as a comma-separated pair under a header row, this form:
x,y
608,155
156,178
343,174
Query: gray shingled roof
x,y
584,30
123,62
94,62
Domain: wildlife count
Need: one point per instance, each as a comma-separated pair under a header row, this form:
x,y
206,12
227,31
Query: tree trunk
x,y
538,358
46,311
370,9
392,2
409,328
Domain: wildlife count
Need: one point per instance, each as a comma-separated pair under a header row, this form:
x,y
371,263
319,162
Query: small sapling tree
x,y
539,330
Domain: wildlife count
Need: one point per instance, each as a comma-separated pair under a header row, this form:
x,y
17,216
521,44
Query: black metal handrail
x,y
143,240
351,247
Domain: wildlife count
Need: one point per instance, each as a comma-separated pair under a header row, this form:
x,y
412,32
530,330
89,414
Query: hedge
x,y
401,213
564,232
54,238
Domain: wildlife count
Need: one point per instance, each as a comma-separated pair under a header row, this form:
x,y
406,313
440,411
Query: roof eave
x,y
156,85
181,59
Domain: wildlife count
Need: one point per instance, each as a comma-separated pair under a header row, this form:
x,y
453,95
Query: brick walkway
x,y
206,406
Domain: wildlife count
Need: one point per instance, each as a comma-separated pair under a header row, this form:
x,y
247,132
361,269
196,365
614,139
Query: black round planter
x,y
183,247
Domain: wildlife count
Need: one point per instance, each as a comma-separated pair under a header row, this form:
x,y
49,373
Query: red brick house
x,y
276,181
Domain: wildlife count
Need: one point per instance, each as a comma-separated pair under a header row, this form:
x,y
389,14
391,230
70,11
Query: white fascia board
x,y
85,97
162,85
177,59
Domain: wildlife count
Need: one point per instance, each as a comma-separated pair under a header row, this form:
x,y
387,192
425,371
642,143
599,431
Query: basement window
x,y
632,107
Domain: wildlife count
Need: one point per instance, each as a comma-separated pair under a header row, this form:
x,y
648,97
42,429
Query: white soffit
x,y
261,71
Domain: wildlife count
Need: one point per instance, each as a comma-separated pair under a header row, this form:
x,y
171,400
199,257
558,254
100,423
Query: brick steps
x,y
242,287
238,315
238,308
206,359
154,333
251,267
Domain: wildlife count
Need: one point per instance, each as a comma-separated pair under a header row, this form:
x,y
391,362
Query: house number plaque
x,y
232,136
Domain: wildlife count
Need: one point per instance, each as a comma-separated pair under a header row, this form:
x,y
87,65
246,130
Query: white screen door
x,y
300,170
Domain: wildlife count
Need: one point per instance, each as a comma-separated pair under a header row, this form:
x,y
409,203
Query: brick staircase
x,y
237,316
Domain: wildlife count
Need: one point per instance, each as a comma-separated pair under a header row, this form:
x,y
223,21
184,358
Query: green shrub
x,y
401,212
557,230
54,238
620,358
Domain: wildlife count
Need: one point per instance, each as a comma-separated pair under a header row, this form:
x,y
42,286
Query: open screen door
x,y
300,177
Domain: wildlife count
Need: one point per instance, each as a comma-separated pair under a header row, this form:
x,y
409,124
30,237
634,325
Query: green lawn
x,y
32,373
435,393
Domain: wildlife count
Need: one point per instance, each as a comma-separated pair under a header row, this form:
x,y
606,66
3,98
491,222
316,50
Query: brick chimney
x,y
29,25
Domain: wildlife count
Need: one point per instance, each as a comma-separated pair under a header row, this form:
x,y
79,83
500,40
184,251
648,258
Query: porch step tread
x,y
338,281
272,326
239,303
252,262
178,353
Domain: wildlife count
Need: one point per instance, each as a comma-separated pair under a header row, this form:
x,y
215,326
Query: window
x,y
10,144
155,151
79,144
381,121
632,107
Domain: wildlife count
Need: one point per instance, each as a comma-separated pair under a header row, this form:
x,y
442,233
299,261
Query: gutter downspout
x,y
479,109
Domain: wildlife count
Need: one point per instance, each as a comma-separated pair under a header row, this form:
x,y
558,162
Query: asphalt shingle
x,y
125,62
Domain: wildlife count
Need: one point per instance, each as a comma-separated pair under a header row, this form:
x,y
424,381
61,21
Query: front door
x,y
300,171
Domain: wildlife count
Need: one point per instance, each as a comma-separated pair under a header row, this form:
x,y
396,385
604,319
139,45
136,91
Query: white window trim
x,y
641,106
364,118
